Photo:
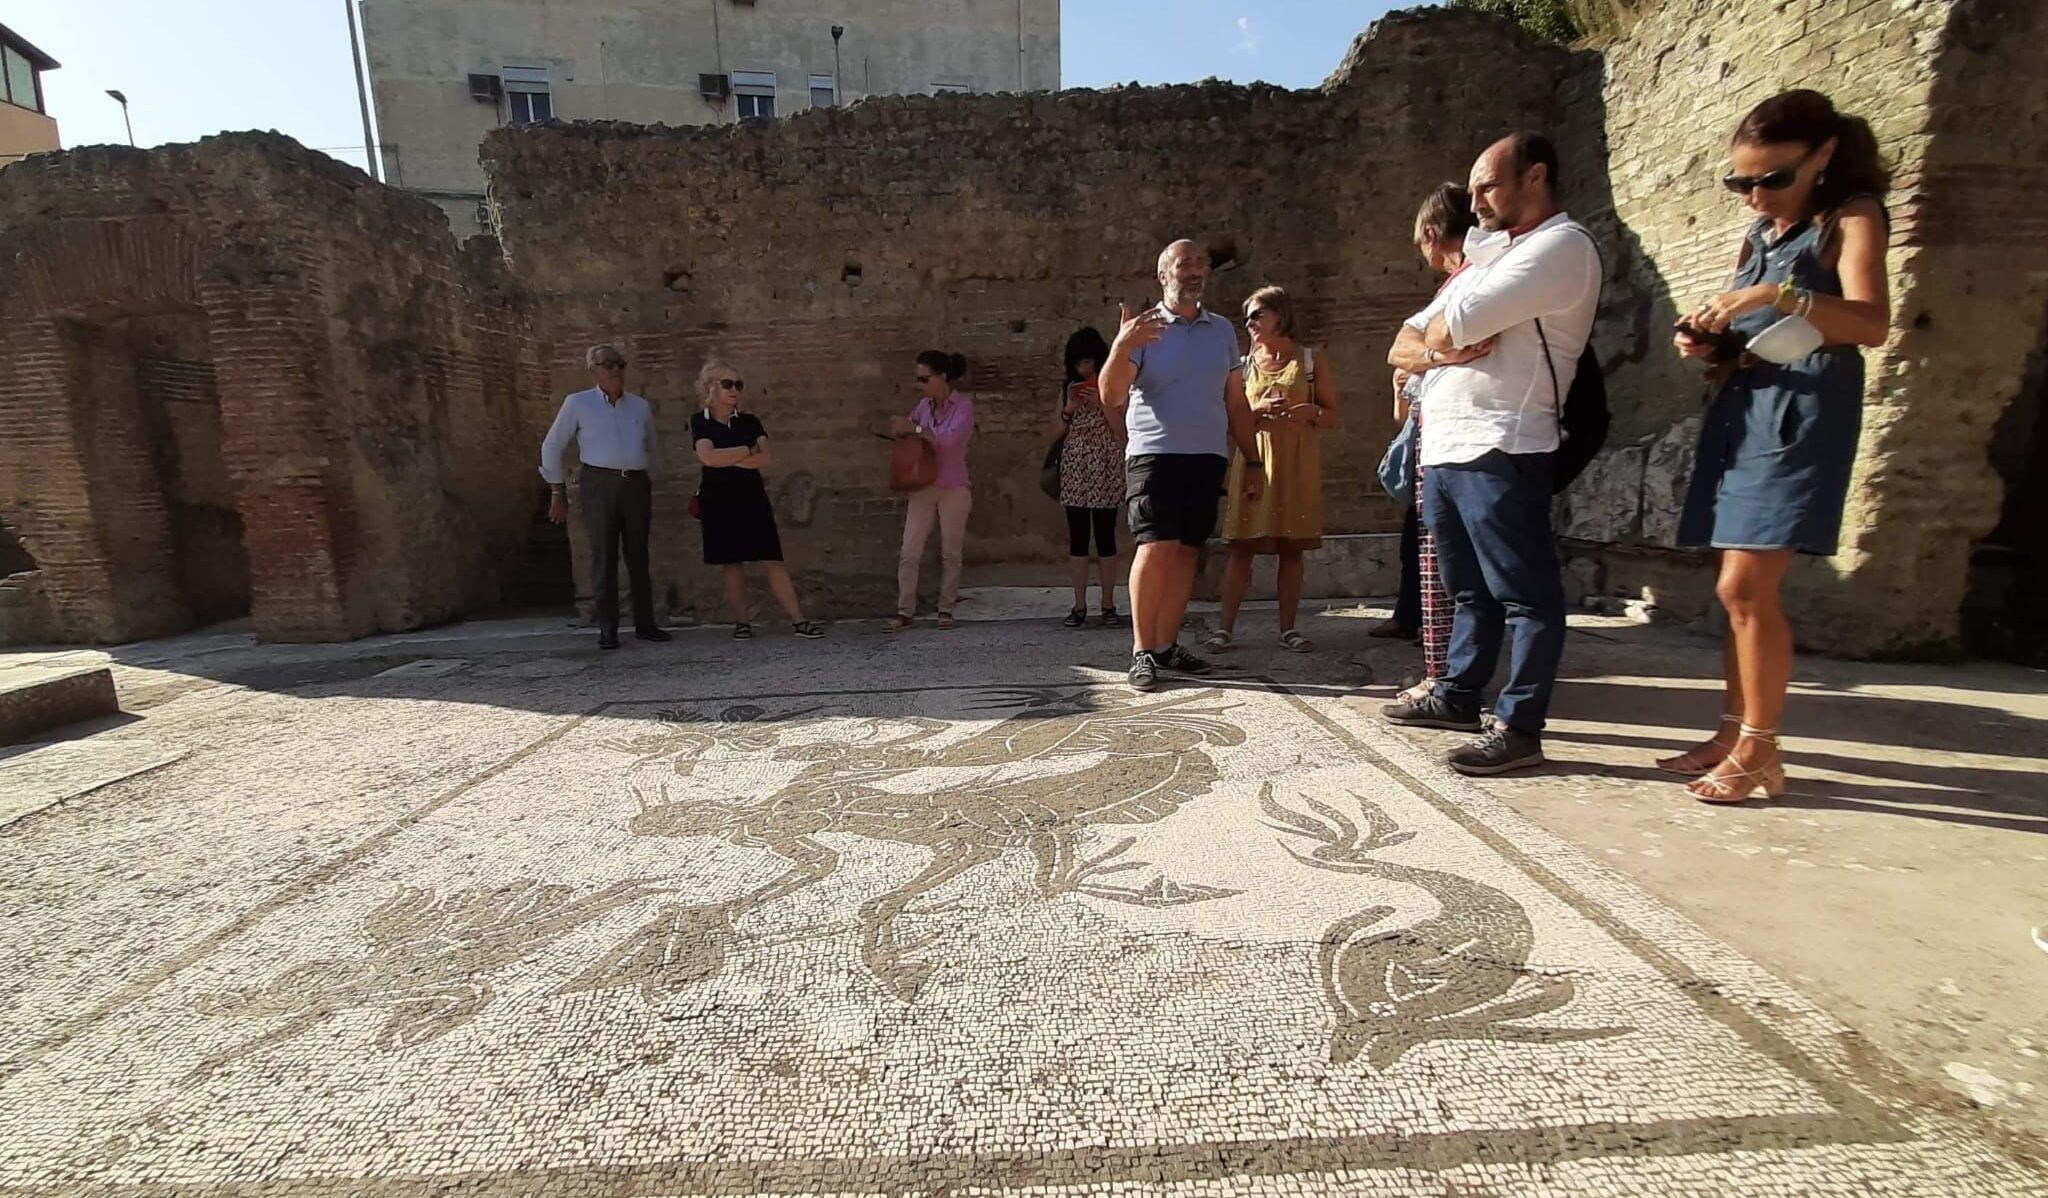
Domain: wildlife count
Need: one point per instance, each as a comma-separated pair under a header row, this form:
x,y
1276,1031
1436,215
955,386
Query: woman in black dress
x,y
739,523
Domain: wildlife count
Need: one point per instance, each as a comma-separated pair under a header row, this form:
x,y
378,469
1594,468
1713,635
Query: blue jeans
x,y
1498,557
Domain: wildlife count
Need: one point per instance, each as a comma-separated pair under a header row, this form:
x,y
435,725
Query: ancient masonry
x,y
240,377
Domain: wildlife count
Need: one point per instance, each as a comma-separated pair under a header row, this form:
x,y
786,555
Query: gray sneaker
x,y
1432,711
1502,749
1144,674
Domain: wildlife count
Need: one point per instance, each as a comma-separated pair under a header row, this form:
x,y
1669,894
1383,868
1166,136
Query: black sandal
x,y
1075,618
1110,618
743,631
807,630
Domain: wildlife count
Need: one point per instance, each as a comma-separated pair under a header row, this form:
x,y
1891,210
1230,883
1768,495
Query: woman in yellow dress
x,y
1294,398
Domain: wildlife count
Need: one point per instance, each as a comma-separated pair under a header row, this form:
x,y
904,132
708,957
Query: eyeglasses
x,y
1252,316
1777,180
612,364
732,384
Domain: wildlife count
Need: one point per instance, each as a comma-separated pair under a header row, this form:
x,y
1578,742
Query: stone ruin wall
x,y
238,377
380,398
821,253
1958,96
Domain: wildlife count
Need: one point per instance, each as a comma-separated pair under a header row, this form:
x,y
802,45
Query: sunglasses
x,y
1252,316
612,364
1777,180
732,384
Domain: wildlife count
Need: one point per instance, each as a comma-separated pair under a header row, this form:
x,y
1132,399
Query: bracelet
x,y
1259,462
1805,304
1430,356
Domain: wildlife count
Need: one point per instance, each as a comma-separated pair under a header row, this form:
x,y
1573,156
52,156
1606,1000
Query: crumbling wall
x,y
1957,97
239,376
823,252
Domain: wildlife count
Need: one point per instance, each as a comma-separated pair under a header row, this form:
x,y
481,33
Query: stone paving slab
x,y
33,777
849,919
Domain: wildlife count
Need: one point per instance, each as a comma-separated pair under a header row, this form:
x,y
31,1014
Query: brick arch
x,y
103,269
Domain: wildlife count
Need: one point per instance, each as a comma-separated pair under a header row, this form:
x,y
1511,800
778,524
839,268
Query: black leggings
x,y
1104,521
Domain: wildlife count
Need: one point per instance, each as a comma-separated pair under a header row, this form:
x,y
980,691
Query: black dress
x,y
739,523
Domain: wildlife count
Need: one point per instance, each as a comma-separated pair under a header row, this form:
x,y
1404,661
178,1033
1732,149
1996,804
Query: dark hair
x,y
1446,214
1086,345
1806,117
1276,301
953,366
1534,149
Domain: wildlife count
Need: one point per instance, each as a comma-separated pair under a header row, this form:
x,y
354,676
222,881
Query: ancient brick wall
x,y
239,376
1957,97
822,252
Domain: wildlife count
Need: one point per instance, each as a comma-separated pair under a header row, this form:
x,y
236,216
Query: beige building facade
x,y
446,72
26,126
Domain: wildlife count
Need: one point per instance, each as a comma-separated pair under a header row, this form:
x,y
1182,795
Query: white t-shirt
x,y
1506,400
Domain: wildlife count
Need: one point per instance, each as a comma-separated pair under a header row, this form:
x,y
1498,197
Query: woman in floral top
x,y
1091,477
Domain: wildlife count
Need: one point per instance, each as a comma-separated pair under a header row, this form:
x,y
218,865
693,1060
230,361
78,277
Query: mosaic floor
x,y
1056,938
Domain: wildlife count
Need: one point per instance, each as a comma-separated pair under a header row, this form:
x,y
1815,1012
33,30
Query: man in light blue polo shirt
x,y
1176,375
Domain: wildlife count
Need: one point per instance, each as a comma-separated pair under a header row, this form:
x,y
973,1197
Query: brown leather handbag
x,y
913,464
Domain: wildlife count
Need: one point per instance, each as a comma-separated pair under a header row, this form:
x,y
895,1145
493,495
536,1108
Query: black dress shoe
x,y
608,638
652,634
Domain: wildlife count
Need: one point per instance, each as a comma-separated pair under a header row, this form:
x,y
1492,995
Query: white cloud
x,y
1248,39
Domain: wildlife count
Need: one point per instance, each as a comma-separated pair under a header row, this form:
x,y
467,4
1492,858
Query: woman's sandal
x,y
743,631
1220,641
1110,618
946,622
1291,639
1693,762
897,624
810,630
1737,784
1075,618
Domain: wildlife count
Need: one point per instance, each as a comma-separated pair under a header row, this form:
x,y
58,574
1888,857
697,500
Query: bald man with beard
x,y
1175,379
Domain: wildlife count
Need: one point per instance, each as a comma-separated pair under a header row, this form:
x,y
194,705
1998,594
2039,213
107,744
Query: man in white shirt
x,y
1501,343
614,433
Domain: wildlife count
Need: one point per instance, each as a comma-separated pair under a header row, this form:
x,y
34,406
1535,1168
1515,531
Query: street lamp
x,y
838,31
123,102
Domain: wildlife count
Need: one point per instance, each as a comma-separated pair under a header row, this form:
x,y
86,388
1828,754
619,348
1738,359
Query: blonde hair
x,y
1276,301
714,370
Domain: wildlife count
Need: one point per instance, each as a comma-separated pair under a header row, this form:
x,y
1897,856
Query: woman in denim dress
x,y
1778,443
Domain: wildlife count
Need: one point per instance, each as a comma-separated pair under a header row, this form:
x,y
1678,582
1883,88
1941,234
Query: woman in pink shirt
x,y
945,419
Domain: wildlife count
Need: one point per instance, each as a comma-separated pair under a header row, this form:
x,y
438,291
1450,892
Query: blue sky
x,y
193,69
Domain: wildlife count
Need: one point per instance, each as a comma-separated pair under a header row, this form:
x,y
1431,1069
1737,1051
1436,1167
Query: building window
x,y
19,85
753,93
527,98
824,94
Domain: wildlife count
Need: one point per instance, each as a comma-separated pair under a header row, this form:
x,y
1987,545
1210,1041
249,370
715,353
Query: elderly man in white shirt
x,y
1500,345
614,433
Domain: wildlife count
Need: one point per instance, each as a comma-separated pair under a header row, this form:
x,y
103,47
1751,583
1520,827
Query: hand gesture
x,y
558,507
1135,332
1690,346
1715,315
1254,482
1471,353
900,427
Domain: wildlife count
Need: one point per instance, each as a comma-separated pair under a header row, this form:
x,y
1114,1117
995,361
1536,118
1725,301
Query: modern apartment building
x,y
445,72
25,123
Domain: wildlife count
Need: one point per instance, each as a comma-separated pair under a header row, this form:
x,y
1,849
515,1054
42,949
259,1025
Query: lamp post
x,y
838,31
123,102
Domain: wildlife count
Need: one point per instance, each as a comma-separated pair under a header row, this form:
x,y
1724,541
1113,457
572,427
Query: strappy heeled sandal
x,y
1738,784
1689,764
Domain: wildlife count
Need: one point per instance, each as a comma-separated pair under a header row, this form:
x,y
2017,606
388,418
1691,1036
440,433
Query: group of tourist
x,y
1178,426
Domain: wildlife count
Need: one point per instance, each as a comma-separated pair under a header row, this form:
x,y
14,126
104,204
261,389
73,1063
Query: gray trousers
x,y
618,511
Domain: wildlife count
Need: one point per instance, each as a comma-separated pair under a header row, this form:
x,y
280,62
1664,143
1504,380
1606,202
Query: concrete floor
x,y
1897,886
